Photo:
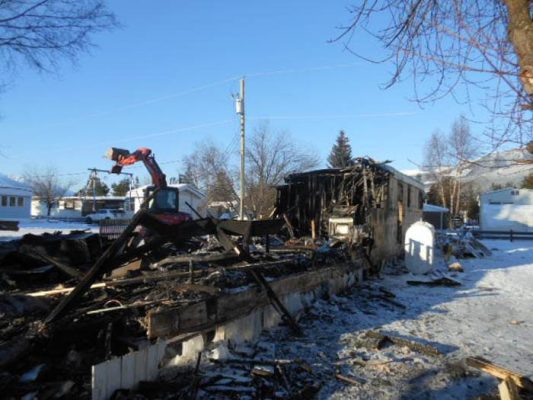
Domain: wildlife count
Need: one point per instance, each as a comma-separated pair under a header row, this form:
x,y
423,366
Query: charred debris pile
x,y
71,301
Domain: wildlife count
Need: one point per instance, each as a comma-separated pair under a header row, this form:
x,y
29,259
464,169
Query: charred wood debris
x,y
70,301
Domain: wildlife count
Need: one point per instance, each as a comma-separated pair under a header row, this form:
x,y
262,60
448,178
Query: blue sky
x,y
165,79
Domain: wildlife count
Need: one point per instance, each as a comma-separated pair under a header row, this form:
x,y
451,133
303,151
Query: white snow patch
x,y
40,226
490,315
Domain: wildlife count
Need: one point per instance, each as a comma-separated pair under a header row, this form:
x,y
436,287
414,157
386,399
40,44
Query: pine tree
x,y
121,188
100,188
222,188
341,152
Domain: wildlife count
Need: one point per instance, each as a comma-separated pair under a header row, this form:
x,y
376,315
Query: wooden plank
x,y
123,271
179,320
500,372
289,226
349,379
121,282
239,304
398,341
508,390
275,301
444,281
70,271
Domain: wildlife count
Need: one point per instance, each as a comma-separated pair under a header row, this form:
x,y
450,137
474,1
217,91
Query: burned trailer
x,y
368,205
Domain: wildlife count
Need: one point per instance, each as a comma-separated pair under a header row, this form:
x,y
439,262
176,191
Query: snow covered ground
x,y
40,226
489,315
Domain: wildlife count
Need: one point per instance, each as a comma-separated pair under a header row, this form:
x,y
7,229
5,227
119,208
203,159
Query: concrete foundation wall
x,y
144,364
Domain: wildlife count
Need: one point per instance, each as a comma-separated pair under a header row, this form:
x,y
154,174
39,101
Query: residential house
x,y
506,209
15,199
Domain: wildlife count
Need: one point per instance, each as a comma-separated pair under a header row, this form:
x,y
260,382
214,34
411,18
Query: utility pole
x,y
92,179
241,112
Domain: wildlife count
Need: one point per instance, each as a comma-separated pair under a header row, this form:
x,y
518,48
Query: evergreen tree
x,y
222,188
100,188
341,152
121,188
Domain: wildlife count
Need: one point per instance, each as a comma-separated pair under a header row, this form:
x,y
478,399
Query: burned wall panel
x,y
377,199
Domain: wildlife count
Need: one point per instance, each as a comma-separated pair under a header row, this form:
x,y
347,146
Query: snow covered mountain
x,y
505,168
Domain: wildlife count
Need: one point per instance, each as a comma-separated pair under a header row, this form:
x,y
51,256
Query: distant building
x,y
76,206
15,199
188,193
436,215
506,209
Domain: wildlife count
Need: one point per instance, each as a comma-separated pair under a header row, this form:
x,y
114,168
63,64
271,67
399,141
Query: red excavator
x,y
165,204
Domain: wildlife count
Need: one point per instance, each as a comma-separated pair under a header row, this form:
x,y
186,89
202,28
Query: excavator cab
x,y
165,205
165,200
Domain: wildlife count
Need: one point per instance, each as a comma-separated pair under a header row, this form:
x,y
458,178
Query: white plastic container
x,y
420,247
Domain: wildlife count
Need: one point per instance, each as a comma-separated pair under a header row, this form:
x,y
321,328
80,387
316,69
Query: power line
x,y
49,175
334,116
152,101
209,86
150,135
300,70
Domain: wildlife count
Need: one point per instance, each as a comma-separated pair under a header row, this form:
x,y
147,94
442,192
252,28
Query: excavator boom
x,y
123,158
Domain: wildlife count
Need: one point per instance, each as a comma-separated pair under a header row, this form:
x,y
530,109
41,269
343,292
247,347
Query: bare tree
x,y
449,46
436,163
445,158
47,186
41,32
462,150
208,169
270,157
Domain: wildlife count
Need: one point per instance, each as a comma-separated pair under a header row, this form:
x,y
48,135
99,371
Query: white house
x,y
15,199
187,194
76,207
506,209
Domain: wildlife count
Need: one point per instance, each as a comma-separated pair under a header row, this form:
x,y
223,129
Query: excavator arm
x,y
123,158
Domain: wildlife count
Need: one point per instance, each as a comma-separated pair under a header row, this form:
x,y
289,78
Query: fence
x,y
510,235
112,228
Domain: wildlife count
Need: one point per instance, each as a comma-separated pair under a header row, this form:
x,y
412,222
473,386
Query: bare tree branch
x,y
270,157
40,33
448,47
47,186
